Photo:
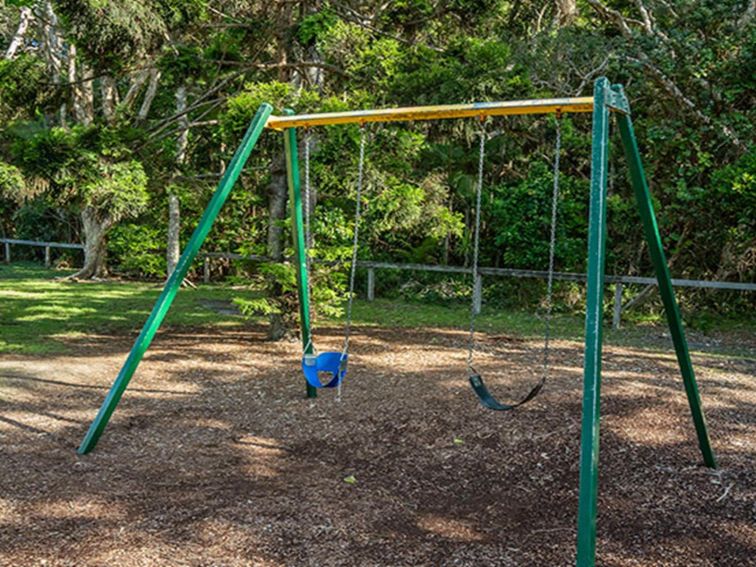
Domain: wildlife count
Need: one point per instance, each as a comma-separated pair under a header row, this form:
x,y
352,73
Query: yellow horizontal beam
x,y
512,107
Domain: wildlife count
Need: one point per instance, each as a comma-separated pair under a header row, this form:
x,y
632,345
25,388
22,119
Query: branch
x,y
196,123
747,16
358,19
297,65
149,96
648,22
26,17
156,136
197,103
137,82
645,61
669,85
616,17
588,77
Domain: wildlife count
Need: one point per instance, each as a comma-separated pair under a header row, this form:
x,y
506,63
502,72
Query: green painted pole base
x,y
173,284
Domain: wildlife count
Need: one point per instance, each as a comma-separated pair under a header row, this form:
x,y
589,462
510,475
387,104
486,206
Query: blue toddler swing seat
x,y
332,364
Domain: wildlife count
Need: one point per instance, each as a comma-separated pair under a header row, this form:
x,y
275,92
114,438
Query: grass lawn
x,y
38,310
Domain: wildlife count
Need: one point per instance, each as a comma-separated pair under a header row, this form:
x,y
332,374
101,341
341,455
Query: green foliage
x,y
35,220
698,146
84,167
113,33
49,155
137,250
521,217
272,276
182,63
241,107
11,182
327,289
23,88
315,26
119,189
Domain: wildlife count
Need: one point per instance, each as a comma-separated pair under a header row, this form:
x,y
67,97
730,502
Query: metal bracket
x,y
616,100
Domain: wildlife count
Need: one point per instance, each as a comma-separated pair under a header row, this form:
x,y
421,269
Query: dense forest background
x,y
117,119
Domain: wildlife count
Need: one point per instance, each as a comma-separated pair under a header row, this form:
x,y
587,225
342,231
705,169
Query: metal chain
x,y
355,248
355,240
476,248
552,250
308,234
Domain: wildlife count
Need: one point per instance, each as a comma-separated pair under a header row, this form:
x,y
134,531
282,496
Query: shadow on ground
x,y
215,456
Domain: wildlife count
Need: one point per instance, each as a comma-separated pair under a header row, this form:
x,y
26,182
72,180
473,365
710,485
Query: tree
x,y
109,193
172,84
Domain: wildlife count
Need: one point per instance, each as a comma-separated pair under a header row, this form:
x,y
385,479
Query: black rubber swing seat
x,y
489,402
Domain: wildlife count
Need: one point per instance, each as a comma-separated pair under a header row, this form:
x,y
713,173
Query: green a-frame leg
x,y
300,246
612,99
173,284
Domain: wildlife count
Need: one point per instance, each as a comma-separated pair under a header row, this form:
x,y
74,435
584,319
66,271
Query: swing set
x,y
606,99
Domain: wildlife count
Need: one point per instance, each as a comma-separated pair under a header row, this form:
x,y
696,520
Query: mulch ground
x,y
216,458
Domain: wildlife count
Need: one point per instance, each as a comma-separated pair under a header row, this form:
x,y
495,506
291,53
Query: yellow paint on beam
x,y
512,107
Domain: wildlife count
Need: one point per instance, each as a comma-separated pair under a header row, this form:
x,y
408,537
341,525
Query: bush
x,y
137,250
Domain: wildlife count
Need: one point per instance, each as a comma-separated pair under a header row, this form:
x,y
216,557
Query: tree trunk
x,y
174,230
135,87
82,95
52,43
566,12
87,95
76,106
54,51
109,98
174,206
26,18
94,246
149,96
278,191
277,208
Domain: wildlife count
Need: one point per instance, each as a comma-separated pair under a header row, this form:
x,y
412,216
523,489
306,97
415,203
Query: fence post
x,y
617,315
206,270
7,253
371,284
478,293
47,256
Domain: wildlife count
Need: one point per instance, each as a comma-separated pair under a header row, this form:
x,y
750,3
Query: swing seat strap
x,y
489,402
330,363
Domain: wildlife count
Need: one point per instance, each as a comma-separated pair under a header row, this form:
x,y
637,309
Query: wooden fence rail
x,y
618,281
39,244
371,267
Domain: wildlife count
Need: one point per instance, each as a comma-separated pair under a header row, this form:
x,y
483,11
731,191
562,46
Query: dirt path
x,y
215,457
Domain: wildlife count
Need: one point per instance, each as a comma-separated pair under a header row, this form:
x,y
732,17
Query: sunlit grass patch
x,y
41,313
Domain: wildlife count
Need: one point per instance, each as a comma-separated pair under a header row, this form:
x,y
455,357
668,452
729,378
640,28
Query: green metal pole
x,y
173,284
291,150
672,310
589,444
